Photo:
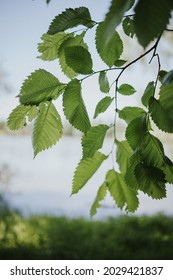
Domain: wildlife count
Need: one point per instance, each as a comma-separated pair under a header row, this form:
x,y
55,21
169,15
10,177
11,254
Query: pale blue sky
x,y
22,23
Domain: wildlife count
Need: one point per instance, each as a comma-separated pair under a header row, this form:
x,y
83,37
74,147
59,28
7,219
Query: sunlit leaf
x,y
47,129
74,107
103,82
103,105
50,46
149,92
71,18
121,193
40,86
123,154
18,117
99,197
93,140
130,113
126,89
86,169
111,51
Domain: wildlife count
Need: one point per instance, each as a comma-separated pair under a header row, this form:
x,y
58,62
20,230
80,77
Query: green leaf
x,y
110,51
155,14
100,196
136,131
18,117
69,19
40,86
120,62
151,181
152,151
130,113
160,115
47,129
126,89
74,107
50,45
114,18
79,59
130,178
70,42
128,27
120,192
103,82
85,170
149,92
93,140
102,105
168,170
123,154
166,98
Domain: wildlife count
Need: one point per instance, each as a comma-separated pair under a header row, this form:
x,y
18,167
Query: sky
x,y
22,23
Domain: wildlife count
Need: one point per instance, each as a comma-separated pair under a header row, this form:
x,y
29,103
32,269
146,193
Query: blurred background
x,y
41,187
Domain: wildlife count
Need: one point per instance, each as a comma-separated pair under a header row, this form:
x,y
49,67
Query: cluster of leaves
x,y
143,165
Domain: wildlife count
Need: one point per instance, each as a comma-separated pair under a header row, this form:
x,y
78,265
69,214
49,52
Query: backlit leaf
x,y
130,113
47,129
126,89
121,193
99,197
50,45
93,140
18,117
160,115
102,105
128,27
103,82
79,59
74,107
86,169
123,154
149,92
110,51
71,18
40,86
119,62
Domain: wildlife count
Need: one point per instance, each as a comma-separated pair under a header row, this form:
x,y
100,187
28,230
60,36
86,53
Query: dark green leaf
x,y
120,62
74,107
47,129
85,170
102,105
93,141
103,82
151,181
168,78
111,51
136,131
121,193
128,27
151,19
130,177
126,89
40,86
100,196
130,113
149,91
79,59
166,98
160,115
71,18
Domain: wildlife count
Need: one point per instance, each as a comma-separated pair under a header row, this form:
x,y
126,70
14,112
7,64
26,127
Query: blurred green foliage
x,y
124,237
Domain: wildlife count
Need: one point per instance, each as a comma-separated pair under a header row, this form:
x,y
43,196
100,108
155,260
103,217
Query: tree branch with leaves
x,y
143,165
